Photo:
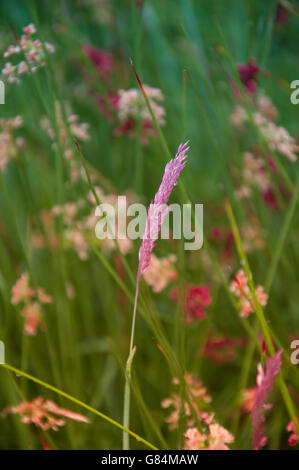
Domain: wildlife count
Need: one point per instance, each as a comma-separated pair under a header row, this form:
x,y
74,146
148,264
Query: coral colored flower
x,y
216,437
265,382
293,438
198,397
33,299
197,298
43,297
21,291
44,414
239,287
212,436
248,399
248,74
33,318
160,272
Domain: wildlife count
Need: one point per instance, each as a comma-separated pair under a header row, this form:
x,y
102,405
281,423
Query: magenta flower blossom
x,y
158,210
247,73
264,387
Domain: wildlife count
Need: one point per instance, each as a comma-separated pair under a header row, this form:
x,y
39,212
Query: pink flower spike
x,y
158,210
265,382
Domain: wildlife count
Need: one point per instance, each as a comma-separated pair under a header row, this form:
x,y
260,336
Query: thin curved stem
x,y
127,394
78,402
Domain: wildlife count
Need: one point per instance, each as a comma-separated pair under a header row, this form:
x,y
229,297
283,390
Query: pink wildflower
x,y
293,438
239,287
21,291
33,299
42,413
215,438
265,382
198,397
30,29
33,318
160,272
43,297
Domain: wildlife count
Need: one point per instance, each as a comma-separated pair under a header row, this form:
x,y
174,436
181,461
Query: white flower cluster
x,y
34,53
131,104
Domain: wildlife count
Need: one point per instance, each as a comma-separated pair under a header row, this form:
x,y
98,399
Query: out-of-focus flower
x,y
239,287
248,399
78,130
239,116
196,299
281,14
160,272
270,199
248,73
102,60
253,236
293,438
254,175
68,128
33,50
44,414
192,409
265,382
10,146
33,318
21,291
266,108
216,437
33,299
219,348
278,138
133,113
198,398
70,290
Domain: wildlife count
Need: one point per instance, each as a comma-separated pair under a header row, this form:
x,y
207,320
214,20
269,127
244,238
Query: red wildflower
x,y
270,199
247,74
281,14
196,299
